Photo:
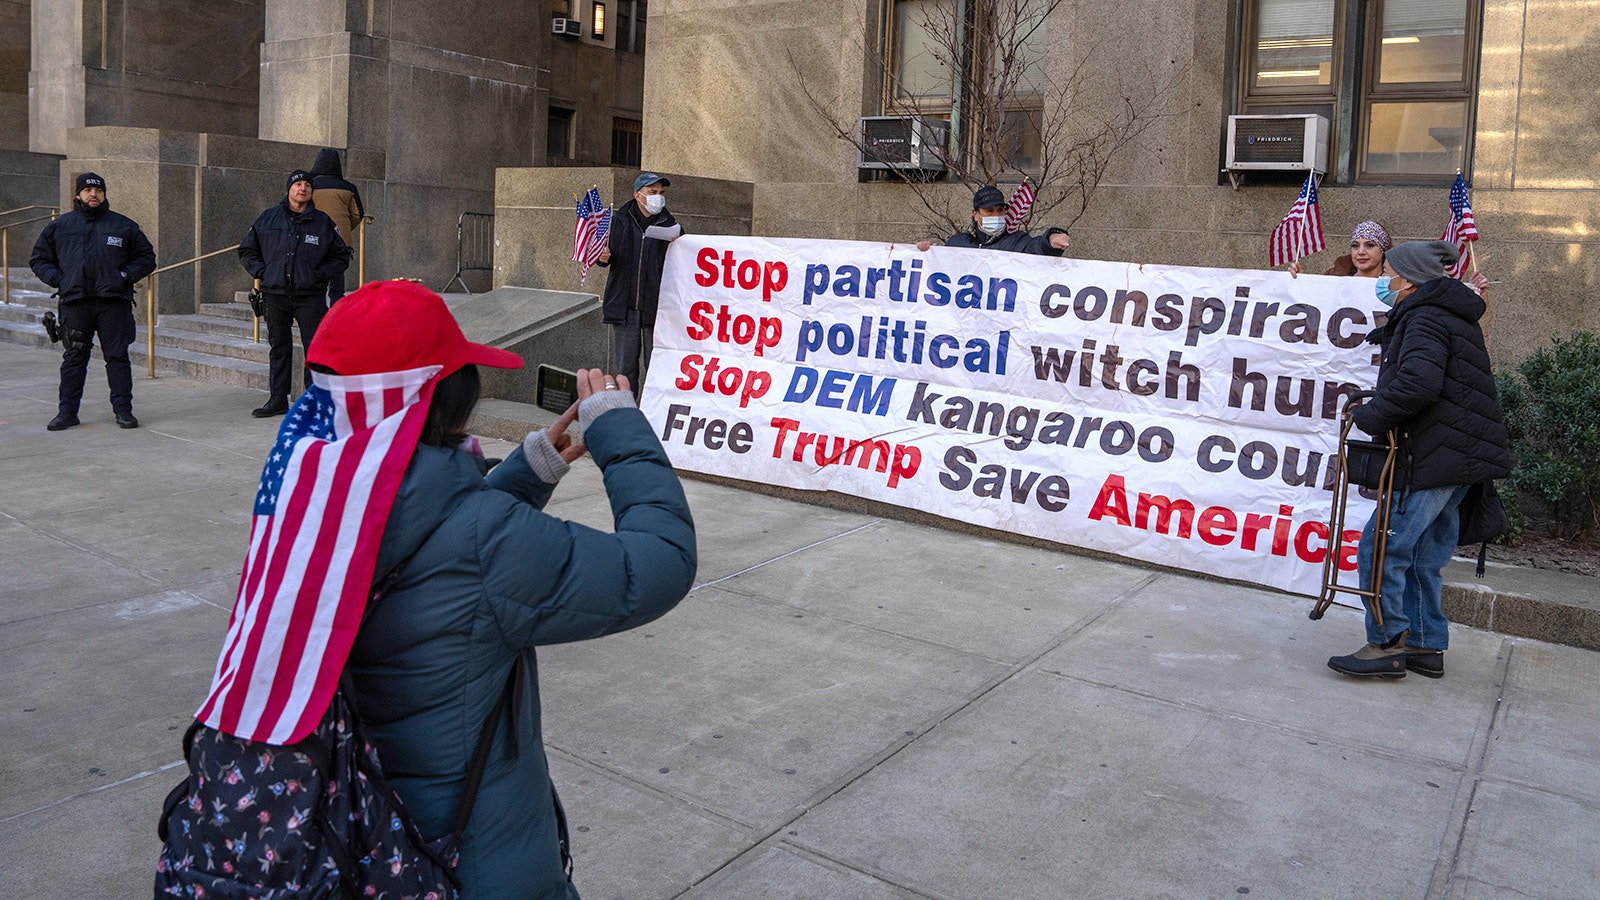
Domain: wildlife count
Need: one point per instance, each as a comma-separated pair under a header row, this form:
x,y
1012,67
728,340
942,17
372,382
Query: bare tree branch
x,y
981,64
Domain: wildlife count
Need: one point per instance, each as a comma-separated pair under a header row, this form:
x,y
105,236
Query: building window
x,y
1396,78
630,25
561,9
558,139
599,21
977,63
627,140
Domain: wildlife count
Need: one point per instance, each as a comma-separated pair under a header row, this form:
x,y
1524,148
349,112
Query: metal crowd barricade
x,y
474,247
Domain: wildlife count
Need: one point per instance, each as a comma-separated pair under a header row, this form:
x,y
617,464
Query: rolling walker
x,y
1365,464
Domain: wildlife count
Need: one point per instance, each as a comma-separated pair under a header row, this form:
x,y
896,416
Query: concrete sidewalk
x,y
847,706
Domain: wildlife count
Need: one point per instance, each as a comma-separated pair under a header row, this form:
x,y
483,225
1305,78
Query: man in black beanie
x,y
293,249
1435,388
92,257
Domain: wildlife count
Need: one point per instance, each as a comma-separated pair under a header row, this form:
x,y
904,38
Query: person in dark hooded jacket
x,y
1435,387
341,201
988,230
633,284
92,256
293,249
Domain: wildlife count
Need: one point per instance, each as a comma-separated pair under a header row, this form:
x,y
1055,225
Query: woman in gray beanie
x,y
1435,388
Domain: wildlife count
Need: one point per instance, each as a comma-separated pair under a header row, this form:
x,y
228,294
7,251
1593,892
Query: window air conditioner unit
x,y
1297,143
565,26
902,142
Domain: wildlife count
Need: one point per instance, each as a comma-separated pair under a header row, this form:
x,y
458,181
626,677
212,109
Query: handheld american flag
x,y
1300,232
589,210
1461,228
597,243
320,511
1017,209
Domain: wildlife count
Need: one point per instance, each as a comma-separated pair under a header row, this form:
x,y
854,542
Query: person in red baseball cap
x,y
478,576
391,326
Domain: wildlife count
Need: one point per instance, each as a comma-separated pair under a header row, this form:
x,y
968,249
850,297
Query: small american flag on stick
x,y
1462,228
589,210
1017,209
1300,233
597,243
325,495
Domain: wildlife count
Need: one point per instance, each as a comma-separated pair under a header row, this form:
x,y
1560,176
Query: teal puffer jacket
x,y
484,577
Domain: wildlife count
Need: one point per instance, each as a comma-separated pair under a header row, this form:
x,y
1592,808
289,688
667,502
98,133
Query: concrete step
x,y
237,310
176,334
221,326
29,334
18,312
27,289
206,366
507,420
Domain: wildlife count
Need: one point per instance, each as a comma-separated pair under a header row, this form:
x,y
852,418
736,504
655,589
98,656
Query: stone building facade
x,y
195,111
732,91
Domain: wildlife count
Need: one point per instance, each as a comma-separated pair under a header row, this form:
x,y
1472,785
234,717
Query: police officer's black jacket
x,y
1436,387
1015,241
635,277
293,253
90,254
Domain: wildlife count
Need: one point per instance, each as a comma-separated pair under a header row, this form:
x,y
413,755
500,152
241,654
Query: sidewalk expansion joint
x,y
782,556
94,790
897,746
1444,871
666,796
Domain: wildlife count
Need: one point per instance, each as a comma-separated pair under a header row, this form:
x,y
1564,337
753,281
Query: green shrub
x,y
1552,407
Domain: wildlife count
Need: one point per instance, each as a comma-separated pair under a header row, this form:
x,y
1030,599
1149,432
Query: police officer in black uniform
x,y
92,257
294,250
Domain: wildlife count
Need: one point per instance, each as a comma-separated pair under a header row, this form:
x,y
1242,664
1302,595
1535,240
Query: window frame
x,y
955,109
1374,92
1354,89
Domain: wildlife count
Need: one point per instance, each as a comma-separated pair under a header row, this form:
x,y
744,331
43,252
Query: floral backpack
x,y
309,820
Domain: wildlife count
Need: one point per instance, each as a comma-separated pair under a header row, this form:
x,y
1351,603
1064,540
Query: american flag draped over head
x,y
590,211
1017,209
325,495
597,243
1300,232
1461,228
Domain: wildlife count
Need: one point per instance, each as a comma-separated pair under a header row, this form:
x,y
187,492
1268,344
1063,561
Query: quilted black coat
x,y
1436,387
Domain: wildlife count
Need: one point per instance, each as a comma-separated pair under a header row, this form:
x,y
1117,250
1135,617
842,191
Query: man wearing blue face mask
x,y
1436,389
988,230
633,286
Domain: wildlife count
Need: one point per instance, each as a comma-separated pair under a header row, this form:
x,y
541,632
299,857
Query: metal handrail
x,y
150,305
5,243
361,250
53,210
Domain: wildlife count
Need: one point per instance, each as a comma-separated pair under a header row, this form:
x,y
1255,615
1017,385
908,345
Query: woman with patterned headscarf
x,y
1368,243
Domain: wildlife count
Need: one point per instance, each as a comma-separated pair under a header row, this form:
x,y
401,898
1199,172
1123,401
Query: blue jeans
x,y
1422,538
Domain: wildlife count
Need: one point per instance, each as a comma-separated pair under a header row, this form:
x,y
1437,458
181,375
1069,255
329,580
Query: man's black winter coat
x,y
293,253
635,277
1436,387
92,254
1015,241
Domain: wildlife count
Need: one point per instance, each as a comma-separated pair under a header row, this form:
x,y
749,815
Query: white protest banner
x,y
1182,416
